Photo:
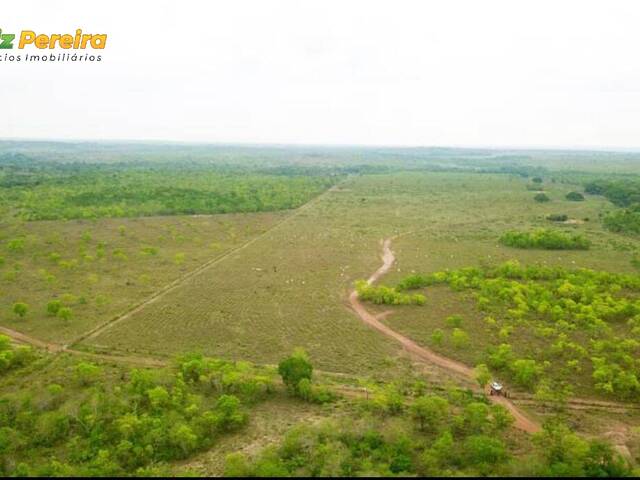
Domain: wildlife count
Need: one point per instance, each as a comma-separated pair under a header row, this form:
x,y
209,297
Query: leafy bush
x,y
387,295
541,198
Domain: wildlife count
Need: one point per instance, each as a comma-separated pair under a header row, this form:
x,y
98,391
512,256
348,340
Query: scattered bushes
x,y
90,427
541,198
545,239
12,357
581,321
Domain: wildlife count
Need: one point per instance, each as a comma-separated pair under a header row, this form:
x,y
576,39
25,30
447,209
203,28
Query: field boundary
x,y
94,332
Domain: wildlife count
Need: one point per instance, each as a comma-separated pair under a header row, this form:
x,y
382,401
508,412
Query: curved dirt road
x,y
521,421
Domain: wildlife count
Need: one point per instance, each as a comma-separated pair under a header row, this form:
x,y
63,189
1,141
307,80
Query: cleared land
x,y
101,268
290,287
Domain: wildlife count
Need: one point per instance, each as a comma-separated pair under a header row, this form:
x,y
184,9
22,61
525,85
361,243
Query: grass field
x,y
254,286
289,288
100,268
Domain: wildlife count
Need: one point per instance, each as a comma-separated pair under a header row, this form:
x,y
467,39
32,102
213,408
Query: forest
x,y
32,191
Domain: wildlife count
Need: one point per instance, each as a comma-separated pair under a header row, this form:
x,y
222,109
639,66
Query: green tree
x,y
295,368
482,375
430,412
87,373
229,415
526,372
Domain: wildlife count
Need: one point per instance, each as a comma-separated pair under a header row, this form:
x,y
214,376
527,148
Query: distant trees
x,y
545,239
127,189
575,197
557,217
541,198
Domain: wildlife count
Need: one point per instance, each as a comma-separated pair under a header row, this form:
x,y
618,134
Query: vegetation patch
x,y
545,239
581,325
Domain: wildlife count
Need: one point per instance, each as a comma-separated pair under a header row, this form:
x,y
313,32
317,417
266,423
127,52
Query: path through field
x,y
93,333
424,354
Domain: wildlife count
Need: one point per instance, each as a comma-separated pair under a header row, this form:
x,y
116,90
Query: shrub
x,y
20,309
574,197
557,217
53,307
454,321
459,338
541,198
86,373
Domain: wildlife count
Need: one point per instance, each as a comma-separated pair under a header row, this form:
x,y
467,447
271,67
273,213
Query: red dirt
x,y
388,258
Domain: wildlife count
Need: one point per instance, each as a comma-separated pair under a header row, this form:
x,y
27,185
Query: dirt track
x,y
424,354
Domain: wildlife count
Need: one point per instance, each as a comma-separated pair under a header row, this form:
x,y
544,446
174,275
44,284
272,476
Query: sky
x,y
372,72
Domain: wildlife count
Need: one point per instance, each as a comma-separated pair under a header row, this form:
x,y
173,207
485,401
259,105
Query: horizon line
x,y
523,147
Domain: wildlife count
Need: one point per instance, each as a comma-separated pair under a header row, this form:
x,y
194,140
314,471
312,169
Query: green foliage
x,y
446,441
624,221
545,239
574,197
53,307
541,198
430,412
128,189
87,373
20,309
295,368
96,428
13,357
65,313
565,454
459,338
386,295
454,321
585,324
482,375
557,217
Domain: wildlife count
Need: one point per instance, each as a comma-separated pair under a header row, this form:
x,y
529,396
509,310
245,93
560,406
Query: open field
x,y
139,290
288,289
103,267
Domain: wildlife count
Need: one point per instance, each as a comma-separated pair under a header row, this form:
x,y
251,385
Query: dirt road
x,y
424,354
